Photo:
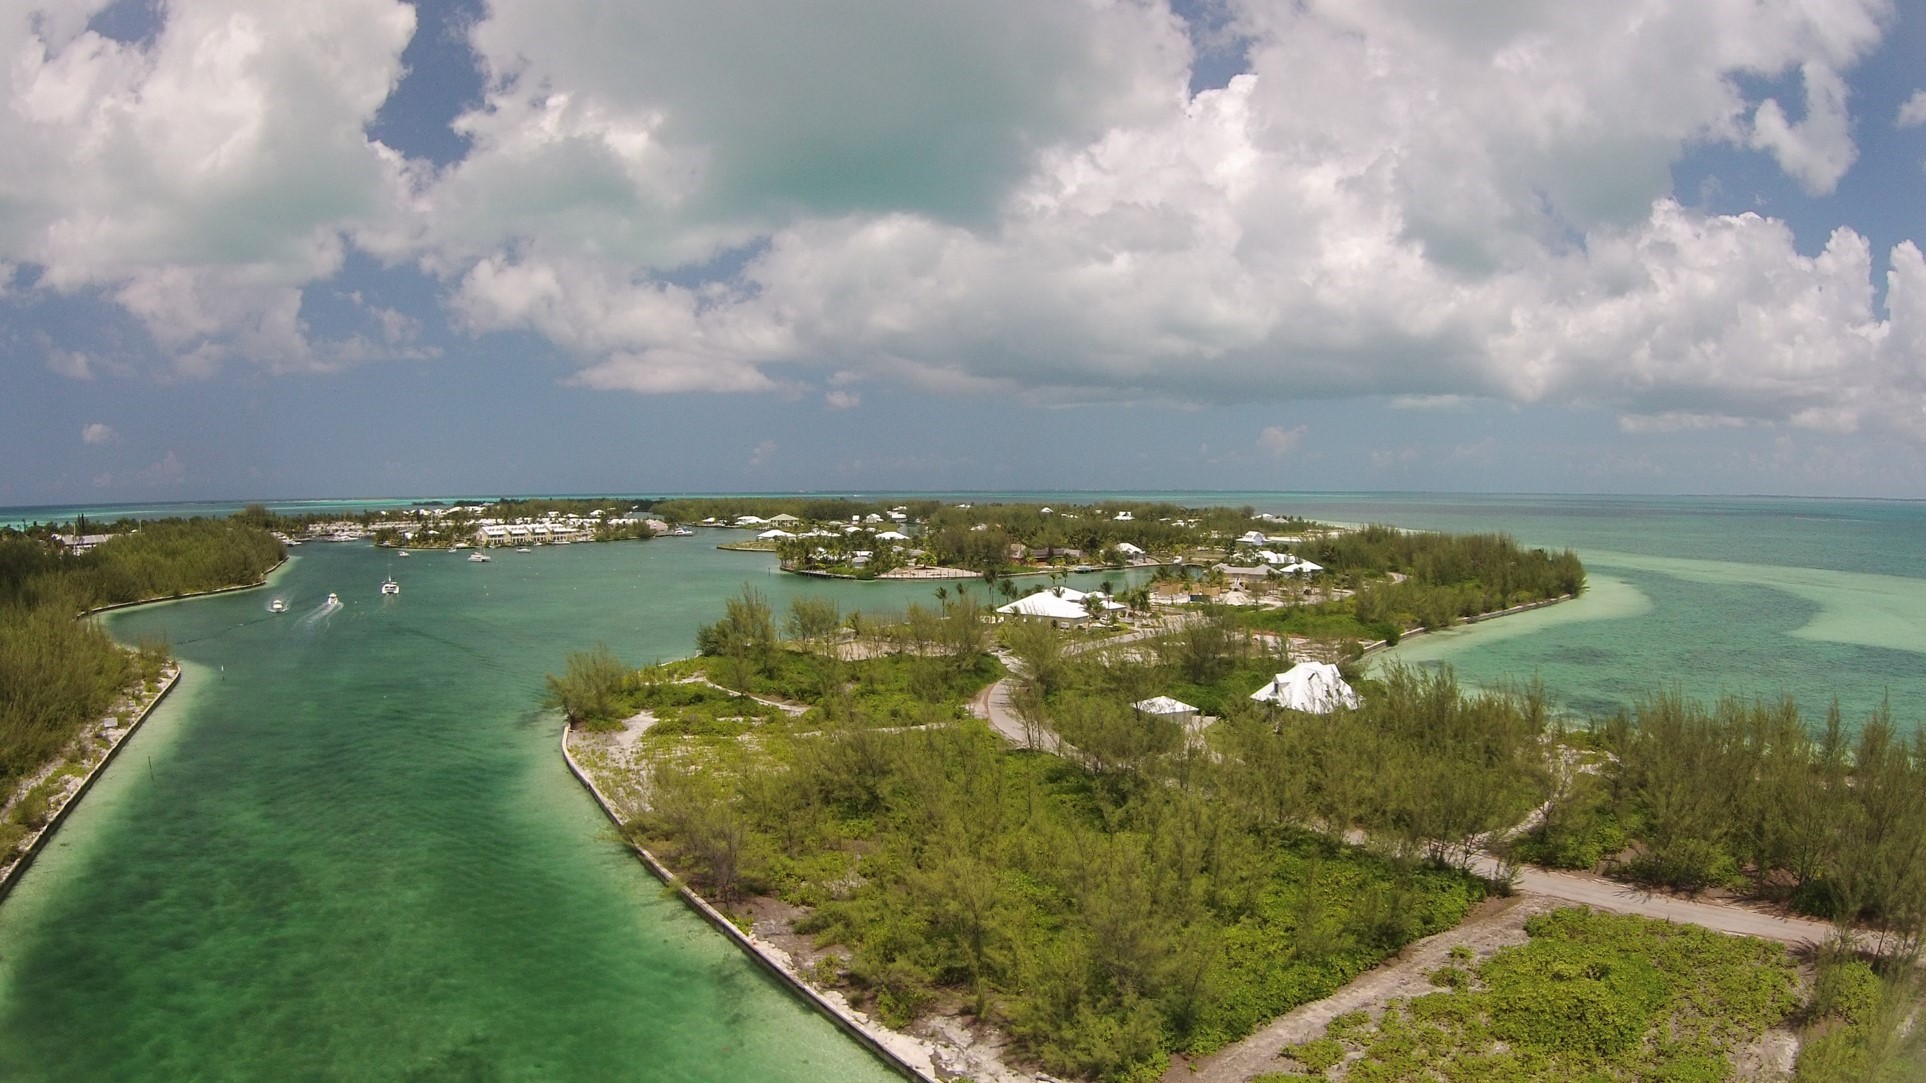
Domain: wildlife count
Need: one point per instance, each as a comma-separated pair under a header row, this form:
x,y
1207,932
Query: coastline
x,y
1384,644
266,578
37,841
916,1058
62,805
913,1058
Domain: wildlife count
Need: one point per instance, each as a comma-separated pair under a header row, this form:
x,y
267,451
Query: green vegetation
x,y
1747,795
1408,580
57,673
1856,1027
1147,895
1591,996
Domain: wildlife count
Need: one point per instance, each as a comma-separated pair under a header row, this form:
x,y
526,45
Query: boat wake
x,y
321,612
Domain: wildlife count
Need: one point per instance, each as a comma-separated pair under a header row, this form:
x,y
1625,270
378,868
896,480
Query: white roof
x,y
1046,603
748,520
784,517
892,535
1164,705
1315,687
1129,550
1253,537
772,534
1301,567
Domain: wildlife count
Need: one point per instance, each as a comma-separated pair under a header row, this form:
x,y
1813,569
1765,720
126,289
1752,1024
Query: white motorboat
x,y
390,586
333,598
405,553
277,606
479,557
524,549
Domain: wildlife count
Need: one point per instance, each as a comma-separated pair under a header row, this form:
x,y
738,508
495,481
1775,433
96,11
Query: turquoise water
x,y
1752,597
348,848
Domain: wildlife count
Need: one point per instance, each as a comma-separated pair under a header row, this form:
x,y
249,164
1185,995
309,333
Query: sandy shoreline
x,y
64,803
915,1058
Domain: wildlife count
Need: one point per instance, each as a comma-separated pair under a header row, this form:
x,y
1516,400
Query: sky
x,y
377,248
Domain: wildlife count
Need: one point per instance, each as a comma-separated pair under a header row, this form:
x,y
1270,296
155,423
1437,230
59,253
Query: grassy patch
x,y
1591,996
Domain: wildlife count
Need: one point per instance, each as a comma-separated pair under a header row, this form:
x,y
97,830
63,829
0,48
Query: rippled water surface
x,y
347,848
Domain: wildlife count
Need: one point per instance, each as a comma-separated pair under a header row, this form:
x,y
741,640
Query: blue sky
x,y
364,247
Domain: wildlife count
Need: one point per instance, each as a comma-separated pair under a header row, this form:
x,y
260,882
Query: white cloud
x,y
1819,149
1278,440
1430,202
169,472
1397,201
839,399
762,453
97,433
199,179
1912,112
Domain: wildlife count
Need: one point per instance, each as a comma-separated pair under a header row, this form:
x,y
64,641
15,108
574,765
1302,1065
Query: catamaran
x,y
390,586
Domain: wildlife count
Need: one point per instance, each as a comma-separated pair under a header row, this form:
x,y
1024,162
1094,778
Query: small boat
x,y
277,606
405,553
333,598
681,532
524,549
390,586
479,557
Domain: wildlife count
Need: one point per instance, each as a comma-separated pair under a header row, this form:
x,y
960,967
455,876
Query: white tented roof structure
x,y
892,535
773,534
1129,550
1313,687
1165,707
1047,605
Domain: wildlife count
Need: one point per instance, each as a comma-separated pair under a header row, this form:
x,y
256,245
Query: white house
x,y
1253,537
1124,517
1129,550
1176,710
892,535
1058,609
1313,687
774,534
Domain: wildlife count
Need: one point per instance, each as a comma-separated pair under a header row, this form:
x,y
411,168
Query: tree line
x,y
58,673
1753,796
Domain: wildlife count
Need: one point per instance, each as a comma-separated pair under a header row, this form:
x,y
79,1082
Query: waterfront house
x,y
1312,687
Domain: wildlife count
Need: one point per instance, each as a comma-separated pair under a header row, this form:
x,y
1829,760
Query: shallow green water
x,y
1756,598
348,848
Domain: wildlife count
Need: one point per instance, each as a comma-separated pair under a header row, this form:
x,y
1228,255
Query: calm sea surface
x,y
347,848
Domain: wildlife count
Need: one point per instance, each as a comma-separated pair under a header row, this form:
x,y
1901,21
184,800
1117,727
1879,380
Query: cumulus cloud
x,y
201,178
1278,440
842,400
97,433
1401,198
168,472
762,453
1912,112
1819,149
1429,201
